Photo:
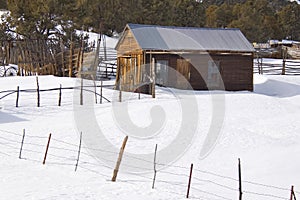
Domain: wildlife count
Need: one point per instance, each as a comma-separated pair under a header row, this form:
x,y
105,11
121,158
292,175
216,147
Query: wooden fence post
x,y
38,91
71,59
78,152
190,181
293,196
18,93
95,90
44,161
120,93
101,92
20,154
153,77
139,93
261,66
292,191
62,58
59,96
81,92
116,170
257,62
283,66
240,180
154,167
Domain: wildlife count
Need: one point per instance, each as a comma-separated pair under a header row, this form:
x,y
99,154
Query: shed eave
x,y
169,51
122,37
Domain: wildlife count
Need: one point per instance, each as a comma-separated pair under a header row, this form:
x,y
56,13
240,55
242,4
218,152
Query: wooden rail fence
x,y
286,67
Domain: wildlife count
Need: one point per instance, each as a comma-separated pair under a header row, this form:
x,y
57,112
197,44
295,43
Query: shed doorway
x,y
183,76
214,75
161,72
129,72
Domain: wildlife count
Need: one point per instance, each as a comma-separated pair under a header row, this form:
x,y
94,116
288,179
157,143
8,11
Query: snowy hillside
x,y
262,128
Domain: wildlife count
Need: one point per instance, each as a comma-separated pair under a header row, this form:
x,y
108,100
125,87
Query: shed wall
x,y
236,70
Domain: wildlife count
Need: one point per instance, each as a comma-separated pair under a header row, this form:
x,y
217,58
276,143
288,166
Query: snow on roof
x,y
152,37
290,42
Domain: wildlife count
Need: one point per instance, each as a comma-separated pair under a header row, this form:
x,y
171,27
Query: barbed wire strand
x,y
65,149
61,141
61,157
13,133
265,195
264,185
4,153
209,193
9,140
94,171
214,183
33,144
9,146
32,151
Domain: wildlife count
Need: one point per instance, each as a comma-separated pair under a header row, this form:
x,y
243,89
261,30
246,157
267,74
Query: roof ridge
x,y
132,25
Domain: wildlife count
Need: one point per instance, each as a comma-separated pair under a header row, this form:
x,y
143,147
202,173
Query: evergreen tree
x,y
188,13
34,19
259,20
3,4
289,20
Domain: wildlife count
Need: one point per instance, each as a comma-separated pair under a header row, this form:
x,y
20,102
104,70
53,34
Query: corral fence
x,y
42,56
56,57
285,67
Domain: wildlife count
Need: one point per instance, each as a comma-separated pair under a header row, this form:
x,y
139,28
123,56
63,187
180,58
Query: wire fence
x,y
86,88
172,178
90,87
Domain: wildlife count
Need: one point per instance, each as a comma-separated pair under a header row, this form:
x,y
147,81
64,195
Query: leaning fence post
x,y
59,96
116,170
190,181
44,161
20,154
293,196
38,91
154,177
18,93
240,180
78,152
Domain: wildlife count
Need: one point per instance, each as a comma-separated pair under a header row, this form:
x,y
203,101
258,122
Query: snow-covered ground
x,y
261,127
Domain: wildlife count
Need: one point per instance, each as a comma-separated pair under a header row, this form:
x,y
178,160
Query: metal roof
x,y
151,37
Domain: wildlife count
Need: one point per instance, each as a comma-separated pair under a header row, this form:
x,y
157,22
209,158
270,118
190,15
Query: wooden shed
x,y
184,58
